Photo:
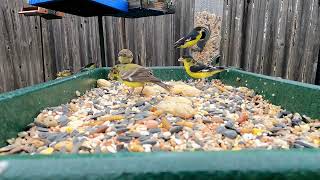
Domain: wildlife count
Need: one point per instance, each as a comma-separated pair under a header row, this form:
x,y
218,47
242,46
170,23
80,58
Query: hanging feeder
x,y
116,8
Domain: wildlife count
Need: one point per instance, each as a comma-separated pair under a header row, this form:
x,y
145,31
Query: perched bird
x,y
125,56
88,67
203,41
197,70
197,34
134,75
64,73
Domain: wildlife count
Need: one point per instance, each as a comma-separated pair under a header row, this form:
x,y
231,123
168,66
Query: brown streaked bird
x,y
125,56
134,75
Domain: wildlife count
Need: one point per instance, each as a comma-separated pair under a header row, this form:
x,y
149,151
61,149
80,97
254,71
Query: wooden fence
x,y
273,37
33,49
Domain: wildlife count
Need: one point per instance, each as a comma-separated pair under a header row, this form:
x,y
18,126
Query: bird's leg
x,y
200,83
141,91
197,84
131,92
203,82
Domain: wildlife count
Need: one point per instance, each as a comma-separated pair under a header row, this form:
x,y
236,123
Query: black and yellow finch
x,y
203,41
198,70
88,67
134,75
197,34
125,56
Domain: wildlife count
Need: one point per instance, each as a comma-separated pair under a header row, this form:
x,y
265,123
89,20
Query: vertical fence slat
x,y
265,59
259,43
295,32
251,33
238,36
232,30
225,31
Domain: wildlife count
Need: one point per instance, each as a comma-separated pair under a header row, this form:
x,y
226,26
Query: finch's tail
x,y
163,85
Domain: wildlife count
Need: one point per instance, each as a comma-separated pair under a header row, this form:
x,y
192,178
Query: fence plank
x,y
295,32
265,59
251,34
238,35
225,32
279,42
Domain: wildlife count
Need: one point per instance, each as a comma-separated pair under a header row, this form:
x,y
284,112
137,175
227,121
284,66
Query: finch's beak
x,y
180,59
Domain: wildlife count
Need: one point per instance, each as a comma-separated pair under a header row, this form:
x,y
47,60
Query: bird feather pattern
x,y
191,36
204,68
142,74
138,75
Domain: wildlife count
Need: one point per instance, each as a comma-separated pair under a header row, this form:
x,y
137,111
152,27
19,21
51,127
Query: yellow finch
x,y
125,56
197,70
203,41
64,73
134,75
197,34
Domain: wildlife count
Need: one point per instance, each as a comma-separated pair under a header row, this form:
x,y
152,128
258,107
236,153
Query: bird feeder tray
x,y
116,8
43,12
18,108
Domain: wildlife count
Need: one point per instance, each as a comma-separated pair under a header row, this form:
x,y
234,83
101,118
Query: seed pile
x,y
212,117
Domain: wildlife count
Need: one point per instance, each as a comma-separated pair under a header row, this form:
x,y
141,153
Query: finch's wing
x,y
191,36
203,68
140,74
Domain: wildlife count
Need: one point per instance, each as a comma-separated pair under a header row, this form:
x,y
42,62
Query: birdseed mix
x,y
211,117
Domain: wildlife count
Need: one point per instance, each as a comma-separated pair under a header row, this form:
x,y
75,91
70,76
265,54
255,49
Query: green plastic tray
x,y
18,108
